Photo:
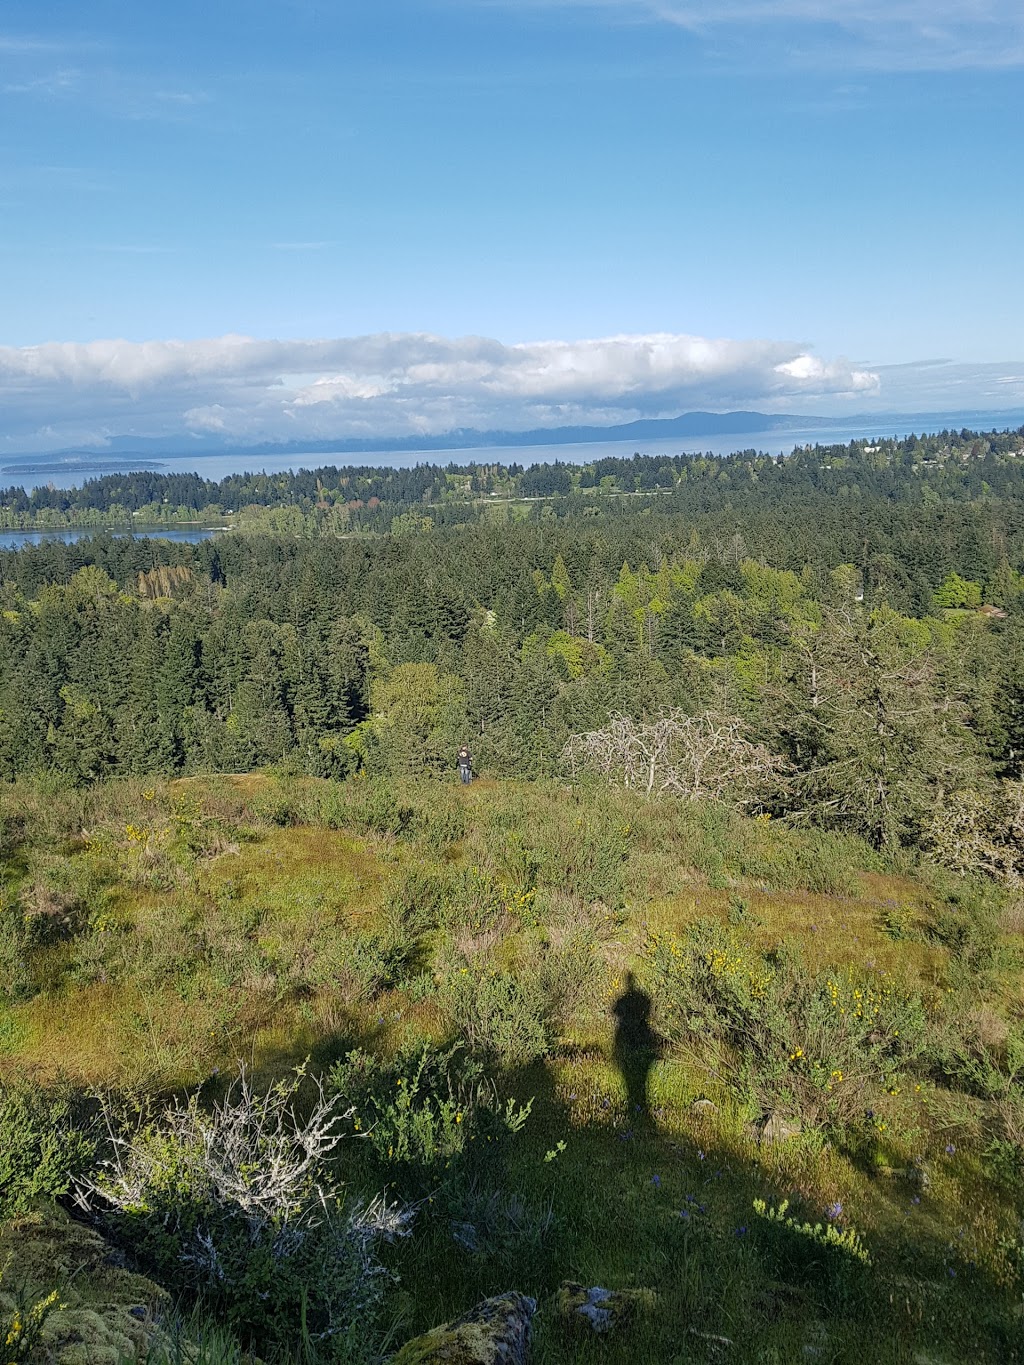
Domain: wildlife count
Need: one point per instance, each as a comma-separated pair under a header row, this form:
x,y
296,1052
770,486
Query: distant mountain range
x,y
154,451
688,424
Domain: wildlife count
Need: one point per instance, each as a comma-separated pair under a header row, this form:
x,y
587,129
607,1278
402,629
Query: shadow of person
x,y
636,1046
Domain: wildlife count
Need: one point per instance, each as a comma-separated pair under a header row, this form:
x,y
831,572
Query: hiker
x,y
465,761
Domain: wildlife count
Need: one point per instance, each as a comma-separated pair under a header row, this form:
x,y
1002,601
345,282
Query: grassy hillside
x,y
700,1011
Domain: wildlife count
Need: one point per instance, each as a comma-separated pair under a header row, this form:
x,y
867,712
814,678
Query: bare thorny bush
x,y
237,1202
975,832
249,1149
694,757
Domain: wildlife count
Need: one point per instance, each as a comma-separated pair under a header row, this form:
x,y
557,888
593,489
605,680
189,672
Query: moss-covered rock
x,y
495,1332
106,1314
600,1309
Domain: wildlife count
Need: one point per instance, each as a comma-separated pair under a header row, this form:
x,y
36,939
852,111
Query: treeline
x,y
876,648
943,468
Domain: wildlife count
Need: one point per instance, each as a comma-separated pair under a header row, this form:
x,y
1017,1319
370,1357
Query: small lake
x,y
14,540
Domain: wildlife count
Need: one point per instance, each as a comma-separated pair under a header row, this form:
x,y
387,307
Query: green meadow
x,y
763,1076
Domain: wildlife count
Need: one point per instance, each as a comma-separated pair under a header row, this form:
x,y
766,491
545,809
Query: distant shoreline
x,y
216,465
155,453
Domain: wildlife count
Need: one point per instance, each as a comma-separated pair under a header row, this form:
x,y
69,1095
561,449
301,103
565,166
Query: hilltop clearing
x,y
767,1076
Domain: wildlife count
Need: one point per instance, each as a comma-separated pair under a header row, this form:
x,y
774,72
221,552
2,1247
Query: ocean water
x,y
72,470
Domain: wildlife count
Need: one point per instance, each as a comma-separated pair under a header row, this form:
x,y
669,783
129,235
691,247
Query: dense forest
x,y
857,612
949,466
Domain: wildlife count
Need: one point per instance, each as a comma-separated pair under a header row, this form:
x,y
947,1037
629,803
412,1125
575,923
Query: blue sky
x,y
788,205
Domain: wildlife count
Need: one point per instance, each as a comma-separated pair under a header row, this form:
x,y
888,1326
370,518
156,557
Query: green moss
x,y
495,1332
108,1313
600,1310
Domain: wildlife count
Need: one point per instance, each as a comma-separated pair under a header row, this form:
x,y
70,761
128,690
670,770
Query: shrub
x,y
44,1145
21,1331
417,902
797,1041
476,903
500,1014
357,966
566,975
15,980
442,821
589,861
368,805
373,962
422,1110
963,1058
277,803
236,1204
899,923
809,1245
967,926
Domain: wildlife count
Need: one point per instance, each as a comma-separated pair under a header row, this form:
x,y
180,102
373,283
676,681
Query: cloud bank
x,y
65,393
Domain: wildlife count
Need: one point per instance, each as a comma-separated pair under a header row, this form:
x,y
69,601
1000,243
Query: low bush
x,y
44,1145
21,1328
812,1044
502,1016
966,923
590,860
441,822
423,1110
237,1205
811,1253
373,961
419,898
369,805
15,981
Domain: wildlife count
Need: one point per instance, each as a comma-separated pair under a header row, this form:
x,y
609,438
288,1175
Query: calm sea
x,y
71,471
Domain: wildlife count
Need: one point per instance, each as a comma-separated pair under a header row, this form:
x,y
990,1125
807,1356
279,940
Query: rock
x,y
602,1309
705,1108
109,1315
775,1128
495,1332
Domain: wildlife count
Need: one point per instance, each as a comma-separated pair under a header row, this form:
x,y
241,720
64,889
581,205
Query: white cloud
x,y
65,393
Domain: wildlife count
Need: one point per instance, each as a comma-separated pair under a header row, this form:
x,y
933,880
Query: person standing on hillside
x,y
465,762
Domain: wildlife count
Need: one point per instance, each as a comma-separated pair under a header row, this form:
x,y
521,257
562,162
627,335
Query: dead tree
x,y
706,757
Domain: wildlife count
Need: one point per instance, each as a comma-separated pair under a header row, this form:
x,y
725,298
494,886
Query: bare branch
x,y
693,757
